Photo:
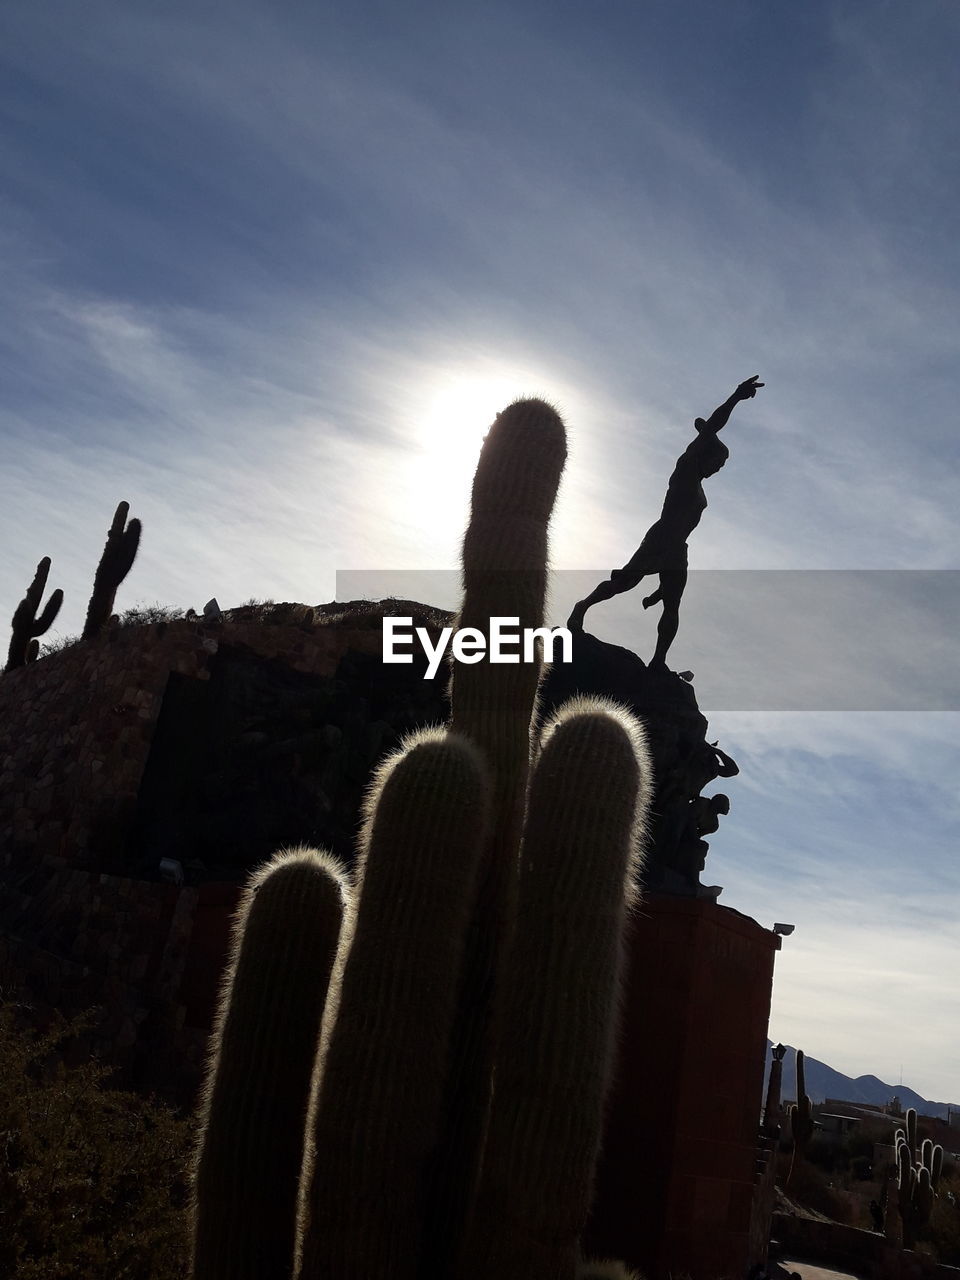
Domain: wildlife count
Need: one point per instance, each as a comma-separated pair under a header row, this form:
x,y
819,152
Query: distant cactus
x,y
936,1166
24,648
120,551
404,1027
801,1118
917,1178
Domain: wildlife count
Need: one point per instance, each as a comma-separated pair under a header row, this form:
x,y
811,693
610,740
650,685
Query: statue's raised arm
x,y
664,548
721,416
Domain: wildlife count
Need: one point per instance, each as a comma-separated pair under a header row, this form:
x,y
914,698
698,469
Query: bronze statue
x,y
664,549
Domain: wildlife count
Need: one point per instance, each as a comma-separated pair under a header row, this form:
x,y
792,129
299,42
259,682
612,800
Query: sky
x,y
269,270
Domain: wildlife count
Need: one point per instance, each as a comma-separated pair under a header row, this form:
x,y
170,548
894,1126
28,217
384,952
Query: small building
x,y
836,1128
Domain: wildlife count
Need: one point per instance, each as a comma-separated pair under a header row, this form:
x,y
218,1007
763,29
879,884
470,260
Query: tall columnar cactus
x,y
453,845
912,1133
504,575
120,551
801,1118
24,647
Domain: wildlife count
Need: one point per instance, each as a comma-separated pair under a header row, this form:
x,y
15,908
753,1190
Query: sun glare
x,y
444,418
457,412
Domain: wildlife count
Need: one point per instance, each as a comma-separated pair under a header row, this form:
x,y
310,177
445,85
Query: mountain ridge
x,y
823,1081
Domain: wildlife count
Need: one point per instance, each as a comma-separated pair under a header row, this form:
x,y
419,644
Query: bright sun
x,y
457,411
444,417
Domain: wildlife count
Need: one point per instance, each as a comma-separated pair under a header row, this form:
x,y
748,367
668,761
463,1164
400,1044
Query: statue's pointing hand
x,y
748,389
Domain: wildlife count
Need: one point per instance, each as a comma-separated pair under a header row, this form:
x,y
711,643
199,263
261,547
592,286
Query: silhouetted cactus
x,y
264,1047
378,1111
440,859
555,1046
120,551
24,648
801,1118
505,576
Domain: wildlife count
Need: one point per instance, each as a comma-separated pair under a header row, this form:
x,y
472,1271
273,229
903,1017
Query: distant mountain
x,y
823,1081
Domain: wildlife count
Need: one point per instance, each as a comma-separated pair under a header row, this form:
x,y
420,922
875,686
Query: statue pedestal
x,y
678,1180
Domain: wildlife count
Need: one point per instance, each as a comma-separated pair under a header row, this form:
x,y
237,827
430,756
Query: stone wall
x,y
76,728
138,746
845,1248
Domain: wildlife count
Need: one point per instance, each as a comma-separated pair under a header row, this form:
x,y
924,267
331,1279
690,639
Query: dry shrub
x,y
92,1180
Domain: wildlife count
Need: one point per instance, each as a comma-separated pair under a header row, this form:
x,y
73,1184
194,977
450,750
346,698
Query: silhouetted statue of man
x,y
664,549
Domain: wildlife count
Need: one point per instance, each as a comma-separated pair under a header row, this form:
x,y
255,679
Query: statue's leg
x,y
620,580
672,583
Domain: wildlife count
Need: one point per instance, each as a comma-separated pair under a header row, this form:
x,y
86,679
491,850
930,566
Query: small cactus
x,y
120,551
24,647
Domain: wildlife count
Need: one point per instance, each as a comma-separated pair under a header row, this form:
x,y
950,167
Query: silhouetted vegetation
x,y
142,615
24,646
92,1179
123,539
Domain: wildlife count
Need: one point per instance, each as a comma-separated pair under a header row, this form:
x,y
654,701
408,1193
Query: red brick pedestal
x,y
678,1169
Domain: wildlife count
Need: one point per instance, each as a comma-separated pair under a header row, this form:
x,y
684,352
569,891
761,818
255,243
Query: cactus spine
x,y
264,1045
123,539
24,647
801,1118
